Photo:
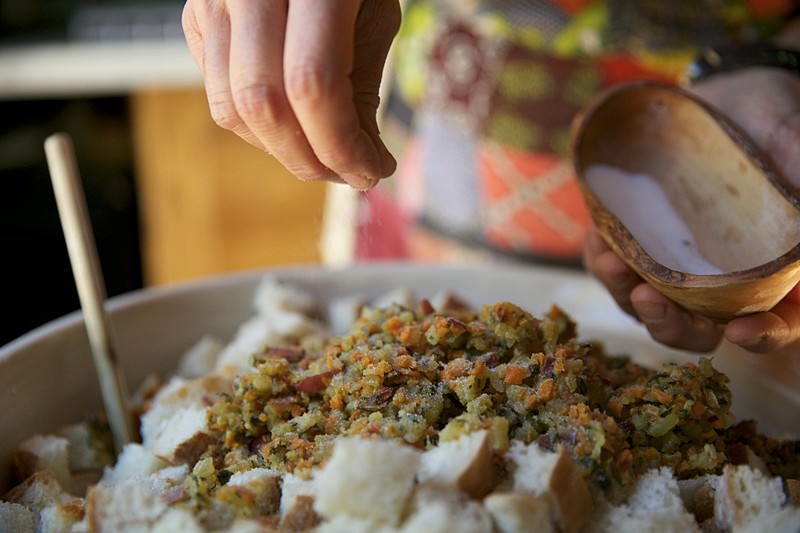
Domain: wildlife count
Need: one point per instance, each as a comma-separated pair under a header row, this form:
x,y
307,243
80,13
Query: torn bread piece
x,y
177,520
40,490
741,454
654,506
297,504
747,500
184,438
16,518
538,471
251,525
349,524
201,358
342,312
43,452
284,315
288,310
251,339
132,505
176,394
265,486
401,296
87,450
128,507
698,496
367,479
176,427
519,513
61,518
134,461
258,333
446,301
293,487
439,509
301,516
273,294
465,463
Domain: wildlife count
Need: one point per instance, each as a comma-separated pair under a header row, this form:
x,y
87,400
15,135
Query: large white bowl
x,y
47,378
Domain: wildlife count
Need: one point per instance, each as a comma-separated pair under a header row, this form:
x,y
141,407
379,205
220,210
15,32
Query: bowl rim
x,y
126,299
219,281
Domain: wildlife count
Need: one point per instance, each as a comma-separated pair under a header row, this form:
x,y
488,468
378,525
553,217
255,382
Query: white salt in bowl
x,y
47,379
688,200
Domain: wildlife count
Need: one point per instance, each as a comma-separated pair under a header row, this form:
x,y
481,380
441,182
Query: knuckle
x,y
260,103
223,112
192,33
187,18
196,12
308,81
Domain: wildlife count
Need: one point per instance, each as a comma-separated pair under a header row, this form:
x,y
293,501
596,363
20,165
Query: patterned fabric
x,y
484,94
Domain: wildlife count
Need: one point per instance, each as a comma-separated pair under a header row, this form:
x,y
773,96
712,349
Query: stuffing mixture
x,y
424,377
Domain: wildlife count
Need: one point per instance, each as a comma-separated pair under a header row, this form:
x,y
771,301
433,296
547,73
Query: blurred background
x,y
172,197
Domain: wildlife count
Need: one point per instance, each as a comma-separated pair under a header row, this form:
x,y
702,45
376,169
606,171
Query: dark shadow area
x,y
37,284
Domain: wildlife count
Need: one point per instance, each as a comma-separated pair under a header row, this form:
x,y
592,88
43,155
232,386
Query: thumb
x,y
376,26
771,330
367,109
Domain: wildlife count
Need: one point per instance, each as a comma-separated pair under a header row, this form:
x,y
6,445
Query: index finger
x,y
611,271
192,34
318,62
256,80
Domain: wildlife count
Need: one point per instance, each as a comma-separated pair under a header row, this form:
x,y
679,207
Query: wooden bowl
x,y
744,217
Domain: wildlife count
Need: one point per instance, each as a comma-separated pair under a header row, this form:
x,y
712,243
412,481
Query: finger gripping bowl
x,y
743,216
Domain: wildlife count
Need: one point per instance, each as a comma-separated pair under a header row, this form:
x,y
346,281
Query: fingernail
x,y
752,344
387,162
755,344
365,158
388,165
650,312
361,183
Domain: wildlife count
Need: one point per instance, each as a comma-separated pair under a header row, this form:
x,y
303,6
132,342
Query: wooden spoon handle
x,y
89,281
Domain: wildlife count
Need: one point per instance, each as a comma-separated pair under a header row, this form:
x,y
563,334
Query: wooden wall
x,y
209,202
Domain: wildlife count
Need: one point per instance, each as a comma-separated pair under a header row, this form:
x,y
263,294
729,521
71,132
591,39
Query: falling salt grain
x,y
641,204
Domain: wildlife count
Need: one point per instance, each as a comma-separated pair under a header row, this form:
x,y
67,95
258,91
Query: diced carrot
x,y
661,396
546,390
515,374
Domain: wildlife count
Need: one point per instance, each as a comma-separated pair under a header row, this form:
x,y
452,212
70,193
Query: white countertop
x,y
95,69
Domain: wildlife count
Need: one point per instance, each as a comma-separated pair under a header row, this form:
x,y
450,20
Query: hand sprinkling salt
x,y
641,204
